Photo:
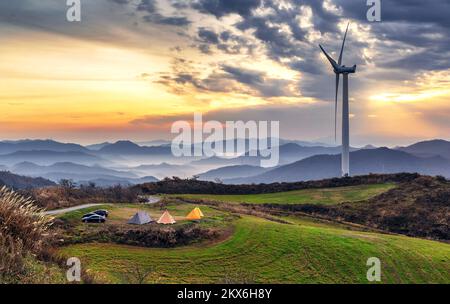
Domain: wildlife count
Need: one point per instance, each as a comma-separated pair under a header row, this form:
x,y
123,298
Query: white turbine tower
x,y
338,70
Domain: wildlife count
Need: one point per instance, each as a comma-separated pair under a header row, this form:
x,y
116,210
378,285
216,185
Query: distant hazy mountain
x,y
165,170
65,169
152,143
129,148
44,157
367,147
429,148
281,141
96,147
34,145
22,182
216,161
303,143
231,172
111,181
289,152
381,160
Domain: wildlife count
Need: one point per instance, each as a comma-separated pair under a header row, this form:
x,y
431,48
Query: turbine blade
x,y
335,107
343,43
331,60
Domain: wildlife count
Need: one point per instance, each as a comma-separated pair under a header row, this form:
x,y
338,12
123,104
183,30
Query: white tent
x,y
140,218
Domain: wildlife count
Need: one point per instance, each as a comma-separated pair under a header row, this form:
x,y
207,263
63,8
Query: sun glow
x,y
429,86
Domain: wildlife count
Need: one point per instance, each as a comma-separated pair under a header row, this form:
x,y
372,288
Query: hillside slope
x,y
23,182
419,208
262,251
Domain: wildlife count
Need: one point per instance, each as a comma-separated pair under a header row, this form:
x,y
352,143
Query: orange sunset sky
x,y
131,68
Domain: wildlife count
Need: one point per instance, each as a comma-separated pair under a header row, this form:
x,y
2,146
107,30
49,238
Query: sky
x,y
131,68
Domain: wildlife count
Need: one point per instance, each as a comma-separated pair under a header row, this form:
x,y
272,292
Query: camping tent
x,y
140,218
166,218
199,211
194,215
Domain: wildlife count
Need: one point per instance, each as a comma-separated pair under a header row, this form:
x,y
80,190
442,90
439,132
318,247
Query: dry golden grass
x,y
23,228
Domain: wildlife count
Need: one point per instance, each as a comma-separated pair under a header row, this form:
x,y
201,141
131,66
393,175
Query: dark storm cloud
x,y
411,11
154,16
418,24
148,6
160,19
121,1
226,79
208,36
413,23
245,76
290,48
415,36
220,8
225,41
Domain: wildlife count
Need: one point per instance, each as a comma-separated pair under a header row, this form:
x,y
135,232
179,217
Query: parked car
x,y
101,212
89,214
95,218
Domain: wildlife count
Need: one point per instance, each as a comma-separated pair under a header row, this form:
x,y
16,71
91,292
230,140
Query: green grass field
x,y
326,196
267,252
119,214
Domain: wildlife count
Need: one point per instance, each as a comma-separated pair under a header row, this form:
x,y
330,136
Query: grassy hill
x,y
23,182
268,252
326,196
270,240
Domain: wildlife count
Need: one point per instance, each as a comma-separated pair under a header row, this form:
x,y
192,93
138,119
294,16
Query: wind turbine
x,y
339,69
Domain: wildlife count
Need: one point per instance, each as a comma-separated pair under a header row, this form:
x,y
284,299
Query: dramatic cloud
x,y
220,8
227,79
201,54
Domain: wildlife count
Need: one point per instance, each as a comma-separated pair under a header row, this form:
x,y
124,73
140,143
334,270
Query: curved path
x,y
153,199
150,200
65,210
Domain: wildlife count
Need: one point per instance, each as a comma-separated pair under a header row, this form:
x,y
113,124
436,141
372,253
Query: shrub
x,y
67,196
194,186
23,228
11,257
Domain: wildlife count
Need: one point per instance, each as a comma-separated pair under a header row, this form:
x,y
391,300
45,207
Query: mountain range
x,y
429,148
380,160
231,172
36,145
126,162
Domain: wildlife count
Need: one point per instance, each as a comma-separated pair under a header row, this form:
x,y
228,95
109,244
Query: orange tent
x,y
194,215
199,211
166,219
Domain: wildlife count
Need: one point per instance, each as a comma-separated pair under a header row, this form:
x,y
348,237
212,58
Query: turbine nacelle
x,y
345,70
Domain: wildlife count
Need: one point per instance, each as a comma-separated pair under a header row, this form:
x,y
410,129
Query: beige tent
x,y
166,219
